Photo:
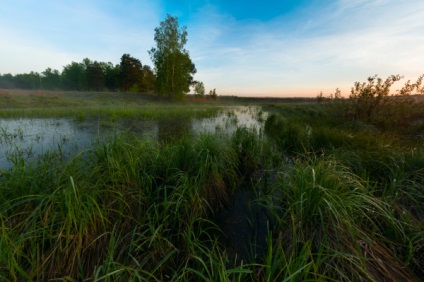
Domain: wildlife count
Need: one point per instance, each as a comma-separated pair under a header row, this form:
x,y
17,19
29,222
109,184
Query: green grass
x,y
127,204
111,106
151,112
333,211
334,201
350,192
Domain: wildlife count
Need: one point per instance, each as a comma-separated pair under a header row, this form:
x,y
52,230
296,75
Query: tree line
x,y
172,74
128,76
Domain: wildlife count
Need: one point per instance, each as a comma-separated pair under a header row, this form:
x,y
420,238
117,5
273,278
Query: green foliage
x,y
336,202
212,94
134,89
366,97
173,66
149,79
333,211
131,73
87,75
127,205
112,76
343,196
199,89
408,88
95,74
32,80
320,98
7,81
289,136
51,79
248,147
74,77
372,102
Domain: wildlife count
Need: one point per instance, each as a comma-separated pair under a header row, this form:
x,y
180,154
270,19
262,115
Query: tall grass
x,y
351,194
323,201
331,210
126,208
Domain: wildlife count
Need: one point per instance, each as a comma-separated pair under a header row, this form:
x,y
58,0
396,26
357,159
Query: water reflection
x,y
169,130
28,138
232,118
145,128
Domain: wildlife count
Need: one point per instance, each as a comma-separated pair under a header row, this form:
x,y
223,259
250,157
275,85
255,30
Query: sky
x,y
273,48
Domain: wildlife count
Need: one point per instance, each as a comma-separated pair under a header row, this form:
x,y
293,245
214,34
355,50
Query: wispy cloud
x,y
319,47
330,47
41,34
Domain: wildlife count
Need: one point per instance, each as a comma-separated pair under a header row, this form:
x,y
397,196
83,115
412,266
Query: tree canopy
x,y
131,73
172,74
87,75
199,88
173,66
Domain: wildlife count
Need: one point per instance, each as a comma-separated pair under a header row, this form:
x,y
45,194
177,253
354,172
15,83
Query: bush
x,y
373,103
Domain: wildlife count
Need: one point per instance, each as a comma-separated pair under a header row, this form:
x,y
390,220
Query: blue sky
x,y
247,48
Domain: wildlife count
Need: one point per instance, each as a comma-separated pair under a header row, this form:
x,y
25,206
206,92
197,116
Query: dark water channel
x,y
244,225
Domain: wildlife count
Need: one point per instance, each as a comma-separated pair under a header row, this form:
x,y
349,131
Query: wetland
x,y
132,187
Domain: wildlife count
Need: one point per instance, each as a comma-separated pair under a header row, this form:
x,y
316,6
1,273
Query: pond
x,y
26,139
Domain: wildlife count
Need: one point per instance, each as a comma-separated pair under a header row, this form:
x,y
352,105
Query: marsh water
x,y
26,139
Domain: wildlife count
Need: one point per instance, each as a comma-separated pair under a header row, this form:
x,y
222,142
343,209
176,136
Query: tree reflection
x,y
169,130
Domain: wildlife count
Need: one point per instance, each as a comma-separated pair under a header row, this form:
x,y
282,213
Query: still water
x,y
29,138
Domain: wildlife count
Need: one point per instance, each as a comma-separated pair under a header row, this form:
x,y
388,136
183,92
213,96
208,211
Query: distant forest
x,y
128,76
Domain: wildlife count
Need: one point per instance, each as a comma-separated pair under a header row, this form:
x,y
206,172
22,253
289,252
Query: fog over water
x,y
28,139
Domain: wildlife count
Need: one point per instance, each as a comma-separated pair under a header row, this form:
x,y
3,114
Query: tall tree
x,y
112,76
173,66
95,74
149,79
131,71
50,79
7,81
30,80
74,76
199,89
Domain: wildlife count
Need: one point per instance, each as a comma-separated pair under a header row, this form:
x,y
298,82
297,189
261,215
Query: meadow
x,y
307,196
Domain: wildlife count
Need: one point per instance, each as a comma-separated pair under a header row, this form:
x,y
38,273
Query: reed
x,y
324,202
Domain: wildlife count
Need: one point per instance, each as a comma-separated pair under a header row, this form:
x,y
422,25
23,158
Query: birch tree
x,y
173,66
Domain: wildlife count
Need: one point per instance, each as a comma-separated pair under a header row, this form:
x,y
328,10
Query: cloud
x,y
41,34
336,45
315,48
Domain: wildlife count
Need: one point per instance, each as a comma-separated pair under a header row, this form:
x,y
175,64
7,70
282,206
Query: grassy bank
x,y
81,105
128,208
312,199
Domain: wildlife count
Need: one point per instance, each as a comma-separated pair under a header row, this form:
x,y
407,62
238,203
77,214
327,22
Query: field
x,y
297,195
